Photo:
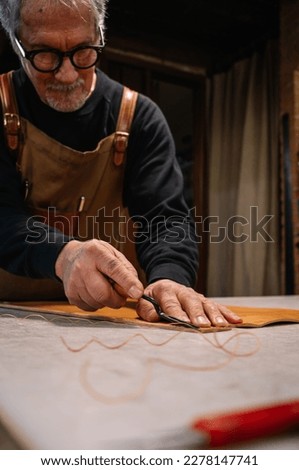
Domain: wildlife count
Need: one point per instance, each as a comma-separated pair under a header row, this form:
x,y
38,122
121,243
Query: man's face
x,y
61,28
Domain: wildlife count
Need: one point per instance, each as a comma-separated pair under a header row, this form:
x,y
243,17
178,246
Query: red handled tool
x,y
217,431
223,430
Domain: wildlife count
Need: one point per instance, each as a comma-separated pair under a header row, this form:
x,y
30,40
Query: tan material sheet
x,y
257,317
252,316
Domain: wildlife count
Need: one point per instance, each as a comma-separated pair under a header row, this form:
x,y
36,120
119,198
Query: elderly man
x,y
80,156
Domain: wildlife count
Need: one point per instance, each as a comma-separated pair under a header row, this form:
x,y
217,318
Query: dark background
x,y
218,32
221,30
167,49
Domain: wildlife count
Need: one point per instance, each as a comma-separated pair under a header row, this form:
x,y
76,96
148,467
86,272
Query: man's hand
x,y
184,303
95,275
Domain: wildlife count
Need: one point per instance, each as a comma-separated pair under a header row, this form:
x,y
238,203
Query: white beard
x,y
66,98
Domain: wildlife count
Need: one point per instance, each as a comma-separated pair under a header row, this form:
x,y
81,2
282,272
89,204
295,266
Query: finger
x,y
93,291
117,288
214,309
146,311
214,314
168,301
230,316
115,265
192,305
100,291
82,304
171,305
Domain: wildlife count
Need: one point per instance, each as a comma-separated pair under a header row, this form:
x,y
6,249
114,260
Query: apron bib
x,y
79,193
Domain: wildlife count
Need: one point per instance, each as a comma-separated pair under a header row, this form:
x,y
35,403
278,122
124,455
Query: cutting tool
x,y
167,318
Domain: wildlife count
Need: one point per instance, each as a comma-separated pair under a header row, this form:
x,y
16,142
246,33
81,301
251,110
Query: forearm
x,y
27,247
170,251
166,243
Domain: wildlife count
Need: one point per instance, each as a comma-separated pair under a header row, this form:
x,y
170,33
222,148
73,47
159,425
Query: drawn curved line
x,y
120,345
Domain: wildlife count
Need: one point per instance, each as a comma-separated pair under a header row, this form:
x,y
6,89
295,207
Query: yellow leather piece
x,y
252,316
256,317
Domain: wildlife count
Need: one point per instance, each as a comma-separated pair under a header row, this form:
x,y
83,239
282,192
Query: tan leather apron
x,y
80,193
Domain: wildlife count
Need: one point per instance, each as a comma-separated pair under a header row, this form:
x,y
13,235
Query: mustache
x,y
65,88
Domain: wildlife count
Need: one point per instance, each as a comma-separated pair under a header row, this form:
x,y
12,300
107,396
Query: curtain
x,y
243,188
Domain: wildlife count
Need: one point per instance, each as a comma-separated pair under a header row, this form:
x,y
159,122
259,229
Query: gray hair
x,y
10,12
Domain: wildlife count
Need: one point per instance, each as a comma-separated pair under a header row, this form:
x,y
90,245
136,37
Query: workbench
x,y
70,383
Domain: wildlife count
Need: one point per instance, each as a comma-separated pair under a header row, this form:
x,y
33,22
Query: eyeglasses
x,y
50,60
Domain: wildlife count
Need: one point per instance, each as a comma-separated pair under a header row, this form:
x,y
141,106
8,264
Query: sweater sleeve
x,y
166,242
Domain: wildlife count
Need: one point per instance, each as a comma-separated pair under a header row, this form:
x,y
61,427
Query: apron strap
x,y
123,126
11,118
12,123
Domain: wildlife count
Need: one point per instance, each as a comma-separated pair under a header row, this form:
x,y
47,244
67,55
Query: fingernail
x,y
201,321
220,321
235,317
135,293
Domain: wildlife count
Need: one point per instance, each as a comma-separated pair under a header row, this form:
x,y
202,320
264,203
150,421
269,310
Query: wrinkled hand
x,y
95,274
184,303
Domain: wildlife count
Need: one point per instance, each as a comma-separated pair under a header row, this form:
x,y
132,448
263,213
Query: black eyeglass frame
x,y
29,55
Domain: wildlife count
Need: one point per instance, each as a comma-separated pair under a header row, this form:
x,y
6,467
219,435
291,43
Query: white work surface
x,y
50,396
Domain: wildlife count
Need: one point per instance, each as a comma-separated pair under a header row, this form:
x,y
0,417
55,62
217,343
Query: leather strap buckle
x,y
120,147
12,125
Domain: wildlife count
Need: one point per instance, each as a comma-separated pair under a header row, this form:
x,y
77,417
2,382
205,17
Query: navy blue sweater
x,y
153,186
